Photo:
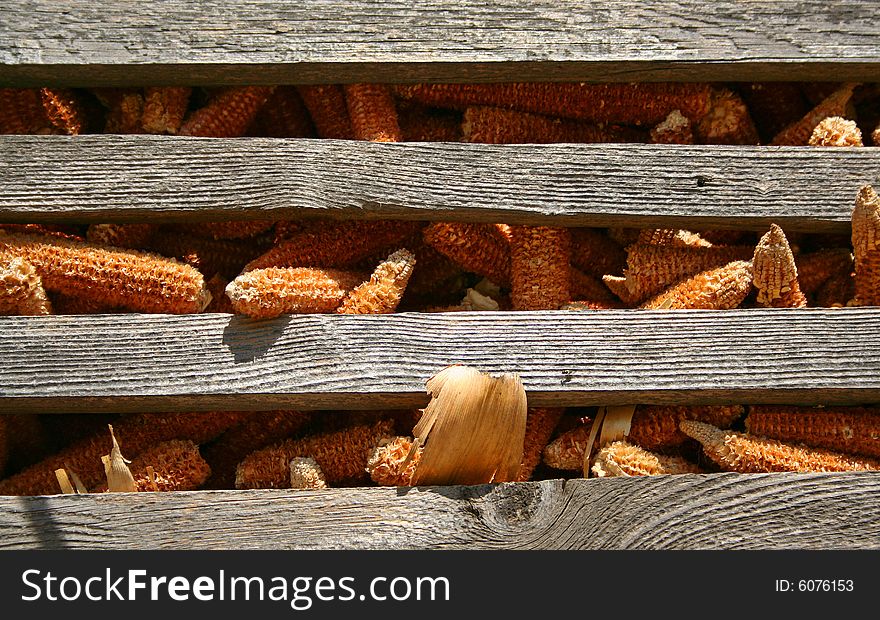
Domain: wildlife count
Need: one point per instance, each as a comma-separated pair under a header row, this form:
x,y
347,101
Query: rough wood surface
x,y
210,361
207,42
720,511
131,178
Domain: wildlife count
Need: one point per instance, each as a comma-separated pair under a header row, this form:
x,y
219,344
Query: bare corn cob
x,y
136,432
327,107
421,124
852,430
306,474
774,105
675,129
133,236
22,111
836,131
433,271
210,256
540,267
372,112
385,464
815,268
838,291
229,114
799,132
585,287
653,268
135,280
632,104
774,273
21,290
174,465
620,458
866,245
258,430
595,253
483,249
728,121
567,451
284,115
381,294
267,293
65,110
341,455
721,288
540,423
748,454
334,245
491,125
671,236
165,108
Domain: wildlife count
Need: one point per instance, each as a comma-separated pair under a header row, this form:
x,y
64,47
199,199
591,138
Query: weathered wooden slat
x,y
160,362
186,42
721,511
129,178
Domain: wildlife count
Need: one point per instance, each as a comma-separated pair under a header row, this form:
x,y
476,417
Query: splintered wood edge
x,y
713,511
143,178
135,362
333,41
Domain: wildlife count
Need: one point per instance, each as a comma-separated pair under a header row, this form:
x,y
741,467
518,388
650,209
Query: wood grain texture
x,y
716,511
209,361
138,178
210,42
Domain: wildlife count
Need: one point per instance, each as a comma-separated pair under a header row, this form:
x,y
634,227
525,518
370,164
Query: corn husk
x,y
119,477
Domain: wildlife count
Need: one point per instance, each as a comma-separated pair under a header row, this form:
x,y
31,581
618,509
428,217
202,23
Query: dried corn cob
x,y
540,423
853,430
490,125
256,431
327,107
227,115
727,122
22,111
164,109
815,268
838,291
267,293
721,288
836,131
372,112
284,115
420,124
866,245
675,129
135,280
305,473
483,249
210,256
336,244
385,464
433,271
136,432
65,110
653,268
125,109
220,303
64,232
77,304
596,253
245,229
567,451
341,455
774,273
631,104
748,454
174,465
671,236
381,294
584,287
132,236
285,229
624,236
774,105
21,290
799,132
875,136
540,269
624,459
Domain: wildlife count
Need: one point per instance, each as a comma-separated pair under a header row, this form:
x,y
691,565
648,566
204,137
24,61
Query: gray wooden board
x,y
131,178
214,361
720,511
112,42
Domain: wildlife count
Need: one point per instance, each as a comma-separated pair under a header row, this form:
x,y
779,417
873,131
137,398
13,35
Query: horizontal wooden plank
x,y
186,42
210,361
717,511
131,178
